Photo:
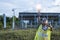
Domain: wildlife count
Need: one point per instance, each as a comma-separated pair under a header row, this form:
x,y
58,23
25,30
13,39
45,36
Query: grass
x,y
24,34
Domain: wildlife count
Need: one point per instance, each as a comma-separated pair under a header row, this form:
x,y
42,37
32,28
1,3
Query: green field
x,y
24,34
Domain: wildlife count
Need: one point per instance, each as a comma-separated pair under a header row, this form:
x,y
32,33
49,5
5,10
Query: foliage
x,y
18,34
8,22
24,34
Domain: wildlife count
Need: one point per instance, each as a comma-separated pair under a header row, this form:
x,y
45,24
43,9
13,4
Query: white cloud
x,y
54,7
56,2
28,5
6,8
7,5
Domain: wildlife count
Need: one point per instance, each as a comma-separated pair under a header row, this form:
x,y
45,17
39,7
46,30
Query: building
x,y
30,19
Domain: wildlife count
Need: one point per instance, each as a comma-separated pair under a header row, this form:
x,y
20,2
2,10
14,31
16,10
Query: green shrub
x,y
1,26
17,35
24,34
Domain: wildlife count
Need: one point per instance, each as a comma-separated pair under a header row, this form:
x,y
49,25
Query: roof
x,y
36,14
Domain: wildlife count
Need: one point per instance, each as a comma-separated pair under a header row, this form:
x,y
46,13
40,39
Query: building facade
x,y
31,20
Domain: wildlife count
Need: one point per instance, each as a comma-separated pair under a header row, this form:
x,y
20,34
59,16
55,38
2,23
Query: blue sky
x,y
6,6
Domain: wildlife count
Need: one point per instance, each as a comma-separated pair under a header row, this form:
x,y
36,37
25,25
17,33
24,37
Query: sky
x,y
6,6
